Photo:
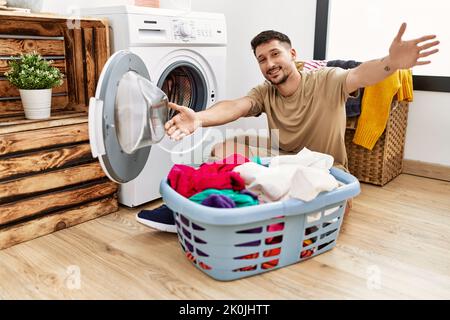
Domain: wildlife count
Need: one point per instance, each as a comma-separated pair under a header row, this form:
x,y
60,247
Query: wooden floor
x,y
395,244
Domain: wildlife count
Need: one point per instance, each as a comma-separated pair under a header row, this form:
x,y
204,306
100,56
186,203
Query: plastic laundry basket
x,y
229,244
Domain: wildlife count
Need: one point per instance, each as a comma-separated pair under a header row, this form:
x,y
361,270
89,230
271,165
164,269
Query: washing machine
x,y
181,53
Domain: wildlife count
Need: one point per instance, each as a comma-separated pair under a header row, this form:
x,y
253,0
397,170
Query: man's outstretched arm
x,y
402,55
187,120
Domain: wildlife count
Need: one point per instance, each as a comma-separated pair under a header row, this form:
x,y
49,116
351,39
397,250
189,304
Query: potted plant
x,y
35,79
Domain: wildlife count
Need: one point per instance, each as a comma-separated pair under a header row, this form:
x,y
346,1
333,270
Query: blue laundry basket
x,y
229,244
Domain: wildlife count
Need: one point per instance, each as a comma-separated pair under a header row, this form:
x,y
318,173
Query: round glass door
x,y
126,117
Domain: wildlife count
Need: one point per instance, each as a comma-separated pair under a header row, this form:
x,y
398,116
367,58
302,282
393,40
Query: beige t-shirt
x,y
313,117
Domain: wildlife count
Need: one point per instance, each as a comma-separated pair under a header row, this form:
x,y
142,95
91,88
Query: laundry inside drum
x,y
184,85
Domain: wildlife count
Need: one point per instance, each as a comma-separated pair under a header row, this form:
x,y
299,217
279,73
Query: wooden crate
x,y
48,178
385,162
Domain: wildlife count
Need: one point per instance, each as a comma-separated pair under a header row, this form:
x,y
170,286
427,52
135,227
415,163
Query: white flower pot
x,y
36,103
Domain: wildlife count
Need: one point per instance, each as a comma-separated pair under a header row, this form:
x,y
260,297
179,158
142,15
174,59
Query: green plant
x,y
30,71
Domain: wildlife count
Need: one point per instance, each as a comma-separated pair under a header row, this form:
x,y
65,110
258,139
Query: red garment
x,y
189,181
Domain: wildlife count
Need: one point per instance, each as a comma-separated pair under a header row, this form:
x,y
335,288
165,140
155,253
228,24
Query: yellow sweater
x,y
376,106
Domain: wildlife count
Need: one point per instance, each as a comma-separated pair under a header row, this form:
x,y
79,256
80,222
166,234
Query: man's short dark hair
x,y
267,36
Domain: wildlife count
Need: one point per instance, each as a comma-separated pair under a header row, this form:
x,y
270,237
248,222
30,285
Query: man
x,y
308,109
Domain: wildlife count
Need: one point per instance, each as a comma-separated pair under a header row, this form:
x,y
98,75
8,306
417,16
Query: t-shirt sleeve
x,y
256,95
335,84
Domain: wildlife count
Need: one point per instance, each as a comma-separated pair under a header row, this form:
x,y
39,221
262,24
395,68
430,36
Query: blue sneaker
x,y
160,219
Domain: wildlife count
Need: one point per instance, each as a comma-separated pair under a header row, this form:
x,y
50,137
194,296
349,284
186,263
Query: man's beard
x,y
281,81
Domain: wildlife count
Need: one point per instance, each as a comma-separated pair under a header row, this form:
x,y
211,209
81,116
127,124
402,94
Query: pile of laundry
x,y
236,181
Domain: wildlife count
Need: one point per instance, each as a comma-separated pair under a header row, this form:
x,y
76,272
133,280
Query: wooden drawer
x,y
48,178
46,174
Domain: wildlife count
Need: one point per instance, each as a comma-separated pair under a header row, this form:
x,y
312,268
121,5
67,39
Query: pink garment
x,y
311,65
189,181
276,227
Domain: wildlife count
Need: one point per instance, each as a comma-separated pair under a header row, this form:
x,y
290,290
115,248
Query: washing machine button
x,y
185,30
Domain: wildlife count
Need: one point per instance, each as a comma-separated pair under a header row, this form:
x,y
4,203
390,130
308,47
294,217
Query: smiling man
x,y
307,108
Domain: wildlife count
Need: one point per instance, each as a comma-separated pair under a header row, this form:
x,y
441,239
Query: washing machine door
x,y
126,117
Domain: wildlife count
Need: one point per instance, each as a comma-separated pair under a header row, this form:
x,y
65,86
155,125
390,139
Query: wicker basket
x,y
385,161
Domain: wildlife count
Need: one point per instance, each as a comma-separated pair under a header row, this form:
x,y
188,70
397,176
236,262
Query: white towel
x,y
249,171
306,158
302,176
308,182
260,180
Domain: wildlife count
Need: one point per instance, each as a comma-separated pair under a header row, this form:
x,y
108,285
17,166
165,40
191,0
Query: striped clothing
x,y
310,65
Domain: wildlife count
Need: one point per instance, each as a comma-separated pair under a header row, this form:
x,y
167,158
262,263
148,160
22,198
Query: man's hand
x,y
402,55
183,124
406,54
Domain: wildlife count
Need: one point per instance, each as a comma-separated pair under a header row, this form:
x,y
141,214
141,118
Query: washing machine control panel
x,y
189,31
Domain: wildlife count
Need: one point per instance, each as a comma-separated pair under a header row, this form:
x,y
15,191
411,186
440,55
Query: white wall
x,y
61,7
428,134
66,7
379,22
